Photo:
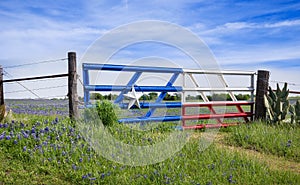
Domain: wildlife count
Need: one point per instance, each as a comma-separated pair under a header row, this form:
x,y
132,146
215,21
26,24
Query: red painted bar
x,y
216,116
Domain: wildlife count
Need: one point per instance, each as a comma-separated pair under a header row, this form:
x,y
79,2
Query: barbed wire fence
x,y
289,84
35,90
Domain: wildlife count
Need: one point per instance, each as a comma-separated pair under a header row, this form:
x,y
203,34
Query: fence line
x,y
72,84
261,89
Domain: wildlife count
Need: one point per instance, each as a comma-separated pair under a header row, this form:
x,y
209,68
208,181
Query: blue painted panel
x,y
150,119
131,82
163,94
152,105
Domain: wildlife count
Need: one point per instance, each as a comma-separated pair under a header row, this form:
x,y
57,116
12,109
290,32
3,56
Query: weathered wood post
x,y
1,87
72,86
261,90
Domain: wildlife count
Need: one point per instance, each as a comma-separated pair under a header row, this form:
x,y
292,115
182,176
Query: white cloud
x,y
258,54
238,25
286,23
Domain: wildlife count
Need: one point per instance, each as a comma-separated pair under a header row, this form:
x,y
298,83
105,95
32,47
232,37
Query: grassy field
x,y
50,150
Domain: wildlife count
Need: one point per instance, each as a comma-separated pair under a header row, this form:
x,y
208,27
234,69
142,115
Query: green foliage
x,y
226,97
61,155
152,95
277,104
279,140
295,112
174,97
98,96
106,112
2,112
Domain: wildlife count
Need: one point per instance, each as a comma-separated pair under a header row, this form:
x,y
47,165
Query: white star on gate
x,y
133,98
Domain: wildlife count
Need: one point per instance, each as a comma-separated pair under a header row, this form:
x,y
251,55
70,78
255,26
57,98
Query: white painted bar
x,y
217,89
222,72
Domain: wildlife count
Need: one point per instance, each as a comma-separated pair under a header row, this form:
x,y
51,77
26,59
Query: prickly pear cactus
x,y
295,112
277,104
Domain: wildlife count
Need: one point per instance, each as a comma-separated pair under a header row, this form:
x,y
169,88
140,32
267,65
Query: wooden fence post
x,y
72,86
1,87
261,90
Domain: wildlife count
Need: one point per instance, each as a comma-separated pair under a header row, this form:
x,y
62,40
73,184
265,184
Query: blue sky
x,y
244,35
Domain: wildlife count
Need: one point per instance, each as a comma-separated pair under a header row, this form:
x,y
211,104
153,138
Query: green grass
x,y
279,140
62,156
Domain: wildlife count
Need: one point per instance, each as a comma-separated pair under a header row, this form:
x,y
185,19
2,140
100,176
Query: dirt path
x,y
272,161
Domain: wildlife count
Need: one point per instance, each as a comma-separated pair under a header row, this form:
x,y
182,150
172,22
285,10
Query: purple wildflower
x,y
74,166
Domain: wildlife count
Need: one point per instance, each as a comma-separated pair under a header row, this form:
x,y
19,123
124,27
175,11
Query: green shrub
x,y
106,112
295,112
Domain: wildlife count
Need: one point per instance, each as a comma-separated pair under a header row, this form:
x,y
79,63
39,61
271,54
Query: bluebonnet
x,y
74,166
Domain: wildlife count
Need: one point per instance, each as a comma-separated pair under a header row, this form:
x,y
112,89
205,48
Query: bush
x,y
106,112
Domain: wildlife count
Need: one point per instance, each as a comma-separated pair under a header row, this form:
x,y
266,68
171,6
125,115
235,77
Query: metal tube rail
x,y
36,78
111,67
221,72
237,89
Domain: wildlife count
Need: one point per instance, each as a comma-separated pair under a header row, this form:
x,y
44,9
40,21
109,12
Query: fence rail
x,y
261,88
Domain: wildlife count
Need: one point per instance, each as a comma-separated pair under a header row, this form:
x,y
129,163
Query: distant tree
x,y
242,96
219,97
145,97
152,95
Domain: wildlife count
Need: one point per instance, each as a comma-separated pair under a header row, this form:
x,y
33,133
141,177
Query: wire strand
x,y
282,82
35,63
43,88
10,76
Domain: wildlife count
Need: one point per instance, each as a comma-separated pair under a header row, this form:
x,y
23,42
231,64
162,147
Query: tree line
x,y
173,97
